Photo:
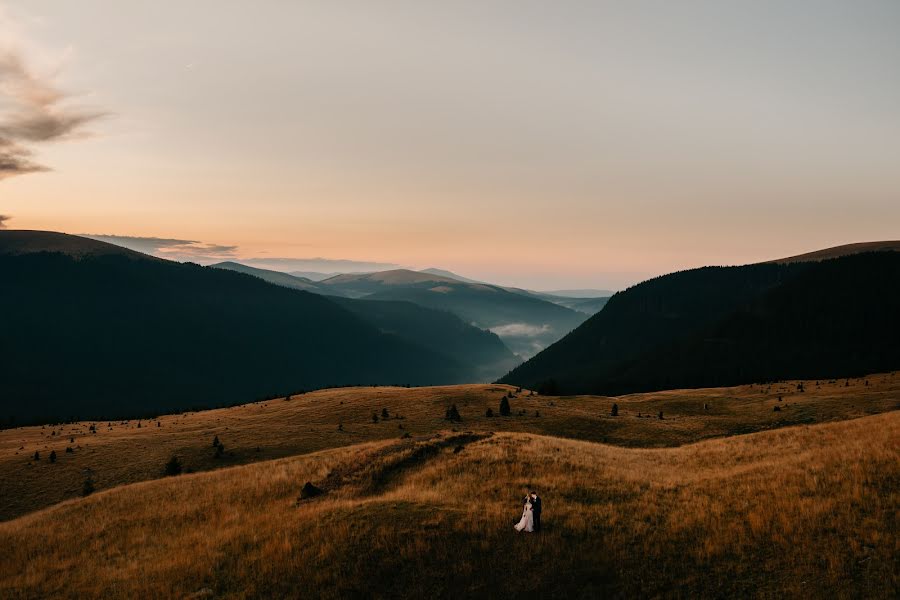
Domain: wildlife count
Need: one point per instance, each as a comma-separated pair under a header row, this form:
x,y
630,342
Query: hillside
x,y
275,277
796,512
730,325
481,353
845,250
525,323
121,334
122,452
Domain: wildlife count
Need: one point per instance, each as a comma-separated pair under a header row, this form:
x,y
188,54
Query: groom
x,y
535,509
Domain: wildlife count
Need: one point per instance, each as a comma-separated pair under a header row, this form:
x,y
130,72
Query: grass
x,y
121,453
800,511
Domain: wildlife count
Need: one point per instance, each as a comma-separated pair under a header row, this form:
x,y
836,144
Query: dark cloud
x,y
3,220
173,249
33,112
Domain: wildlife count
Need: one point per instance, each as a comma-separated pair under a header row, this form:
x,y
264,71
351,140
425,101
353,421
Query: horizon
x,y
592,146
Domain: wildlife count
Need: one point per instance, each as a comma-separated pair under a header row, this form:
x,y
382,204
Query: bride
x,y
526,523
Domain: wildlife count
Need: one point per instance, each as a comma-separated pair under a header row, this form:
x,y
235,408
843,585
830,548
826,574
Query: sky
x,y
544,145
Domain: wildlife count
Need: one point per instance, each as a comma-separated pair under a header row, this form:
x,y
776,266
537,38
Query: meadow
x,y
802,503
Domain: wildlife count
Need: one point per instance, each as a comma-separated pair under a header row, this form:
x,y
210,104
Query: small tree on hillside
x,y
374,417
87,488
220,450
615,410
660,416
452,414
504,407
385,414
37,455
489,412
173,467
216,442
53,456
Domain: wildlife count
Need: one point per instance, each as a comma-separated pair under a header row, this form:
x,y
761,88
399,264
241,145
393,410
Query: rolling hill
x,y
730,325
525,323
803,505
93,330
482,353
274,277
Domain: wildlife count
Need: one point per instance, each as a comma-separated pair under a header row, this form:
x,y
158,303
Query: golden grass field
x,y
805,504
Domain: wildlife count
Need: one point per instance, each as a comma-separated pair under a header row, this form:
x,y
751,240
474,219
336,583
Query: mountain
x,y
585,294
525,323
96,331
312,275
18,242
450,274
482,353
276,277
730,325
845,250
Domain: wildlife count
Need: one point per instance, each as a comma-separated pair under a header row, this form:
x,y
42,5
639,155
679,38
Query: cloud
x,y
33,110
520,330
3,220
173,249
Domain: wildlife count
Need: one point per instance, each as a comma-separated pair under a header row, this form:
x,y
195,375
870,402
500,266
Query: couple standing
x,y
531,514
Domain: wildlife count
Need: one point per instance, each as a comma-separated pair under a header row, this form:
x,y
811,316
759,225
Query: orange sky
x,y
578,145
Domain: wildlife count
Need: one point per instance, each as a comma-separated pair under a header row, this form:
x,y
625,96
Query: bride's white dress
x,y
526,523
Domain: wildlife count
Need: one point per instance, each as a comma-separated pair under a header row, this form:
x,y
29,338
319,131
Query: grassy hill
x,y
805,510
123,452
729,325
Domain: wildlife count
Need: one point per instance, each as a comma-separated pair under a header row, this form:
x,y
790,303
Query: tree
x,y
615,410
53,456
489,412
87,488
216,442
385,414
504,407
37,455
452,414
173,467
220,450
660,416
374,417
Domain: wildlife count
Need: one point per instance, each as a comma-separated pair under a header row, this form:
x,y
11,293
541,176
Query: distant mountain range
x,y
93,330
834,313
526,321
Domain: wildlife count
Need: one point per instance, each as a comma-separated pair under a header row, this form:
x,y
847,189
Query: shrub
x,y
489,412
660,416
310,491
53,456
340,426
385,414
216,442
87,488
615,410
776,408
374,417
504,407
69,450
537,413
37,455
452,414
173,467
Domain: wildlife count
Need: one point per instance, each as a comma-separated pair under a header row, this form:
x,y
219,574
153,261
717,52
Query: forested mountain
x,y
95,331
525,323
728,325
